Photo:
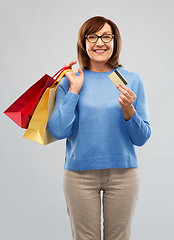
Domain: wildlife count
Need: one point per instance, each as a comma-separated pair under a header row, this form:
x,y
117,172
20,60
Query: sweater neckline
x,y
99,73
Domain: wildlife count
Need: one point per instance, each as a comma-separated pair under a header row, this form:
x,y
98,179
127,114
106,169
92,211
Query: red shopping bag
x,y
23,108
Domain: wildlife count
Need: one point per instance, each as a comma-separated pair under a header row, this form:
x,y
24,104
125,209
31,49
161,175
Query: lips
x,y
100,51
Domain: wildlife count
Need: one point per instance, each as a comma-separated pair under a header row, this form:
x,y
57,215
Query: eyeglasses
x,y
93,38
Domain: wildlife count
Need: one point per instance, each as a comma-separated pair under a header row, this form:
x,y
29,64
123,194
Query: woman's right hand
x,y
76,82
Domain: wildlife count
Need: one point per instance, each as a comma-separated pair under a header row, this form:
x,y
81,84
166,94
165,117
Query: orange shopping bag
x,y
37,127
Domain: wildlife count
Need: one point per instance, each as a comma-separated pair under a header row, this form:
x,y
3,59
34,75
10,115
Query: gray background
x,y
38,37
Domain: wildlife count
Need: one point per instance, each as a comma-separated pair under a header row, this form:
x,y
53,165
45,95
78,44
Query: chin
x,y
102,61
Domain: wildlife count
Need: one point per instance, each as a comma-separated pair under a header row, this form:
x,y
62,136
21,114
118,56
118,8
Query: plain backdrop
x,y
38,37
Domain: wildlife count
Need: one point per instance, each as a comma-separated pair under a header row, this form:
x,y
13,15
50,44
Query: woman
x,y
101,124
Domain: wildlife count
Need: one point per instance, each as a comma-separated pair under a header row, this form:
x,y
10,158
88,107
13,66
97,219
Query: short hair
x,y
93,25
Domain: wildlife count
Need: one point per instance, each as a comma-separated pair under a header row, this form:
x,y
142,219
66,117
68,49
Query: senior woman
x,y
101,124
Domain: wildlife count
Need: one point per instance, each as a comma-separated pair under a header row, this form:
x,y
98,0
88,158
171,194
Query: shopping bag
x,y
22,109
37,127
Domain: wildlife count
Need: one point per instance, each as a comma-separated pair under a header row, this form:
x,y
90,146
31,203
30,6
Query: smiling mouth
x,y
100,50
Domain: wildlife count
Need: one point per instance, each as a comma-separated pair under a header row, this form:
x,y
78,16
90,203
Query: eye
x,y
91,37
107,36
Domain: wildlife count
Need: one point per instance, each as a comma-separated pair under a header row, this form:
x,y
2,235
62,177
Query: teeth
x,y
99,50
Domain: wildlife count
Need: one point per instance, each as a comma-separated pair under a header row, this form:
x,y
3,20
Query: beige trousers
x,y
82,193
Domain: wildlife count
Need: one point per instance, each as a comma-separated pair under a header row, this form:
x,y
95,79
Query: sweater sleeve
x,y
138,127
63,115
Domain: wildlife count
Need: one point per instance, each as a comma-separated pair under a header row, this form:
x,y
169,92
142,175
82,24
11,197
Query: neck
x,y
100,67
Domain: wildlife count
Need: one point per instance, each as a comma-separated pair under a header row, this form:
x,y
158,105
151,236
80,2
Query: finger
x,y
122,104
125,99
122,88
70,64
123,91
127,92
70,74
80,71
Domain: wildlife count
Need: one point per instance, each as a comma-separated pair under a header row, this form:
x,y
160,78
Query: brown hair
x,y
93,25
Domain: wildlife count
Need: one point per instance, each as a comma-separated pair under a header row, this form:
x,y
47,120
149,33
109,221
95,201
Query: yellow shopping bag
x,y
36,130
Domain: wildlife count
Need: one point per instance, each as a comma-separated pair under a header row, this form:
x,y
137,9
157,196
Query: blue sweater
x,y
97,135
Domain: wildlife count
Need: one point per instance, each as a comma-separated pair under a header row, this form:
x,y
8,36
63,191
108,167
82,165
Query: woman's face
x,y
100,52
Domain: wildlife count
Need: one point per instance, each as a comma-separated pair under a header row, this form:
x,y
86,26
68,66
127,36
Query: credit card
x,y
117,78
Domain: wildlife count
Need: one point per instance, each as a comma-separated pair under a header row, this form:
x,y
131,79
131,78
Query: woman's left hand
x,y
126,98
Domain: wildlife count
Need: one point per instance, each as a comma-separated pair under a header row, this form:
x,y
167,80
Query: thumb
x,y
80,71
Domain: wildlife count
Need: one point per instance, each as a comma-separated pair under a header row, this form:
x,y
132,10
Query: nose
x,y
99,42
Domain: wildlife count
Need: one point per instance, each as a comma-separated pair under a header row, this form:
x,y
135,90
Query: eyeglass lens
x,y
94,38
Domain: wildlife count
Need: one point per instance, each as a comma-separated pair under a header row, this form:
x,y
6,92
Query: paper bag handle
x,y
59,78
60,71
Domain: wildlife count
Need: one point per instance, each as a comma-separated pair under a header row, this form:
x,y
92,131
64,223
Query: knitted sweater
x,y
97,135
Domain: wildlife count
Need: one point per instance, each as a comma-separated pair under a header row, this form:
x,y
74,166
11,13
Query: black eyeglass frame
x,y
86,36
